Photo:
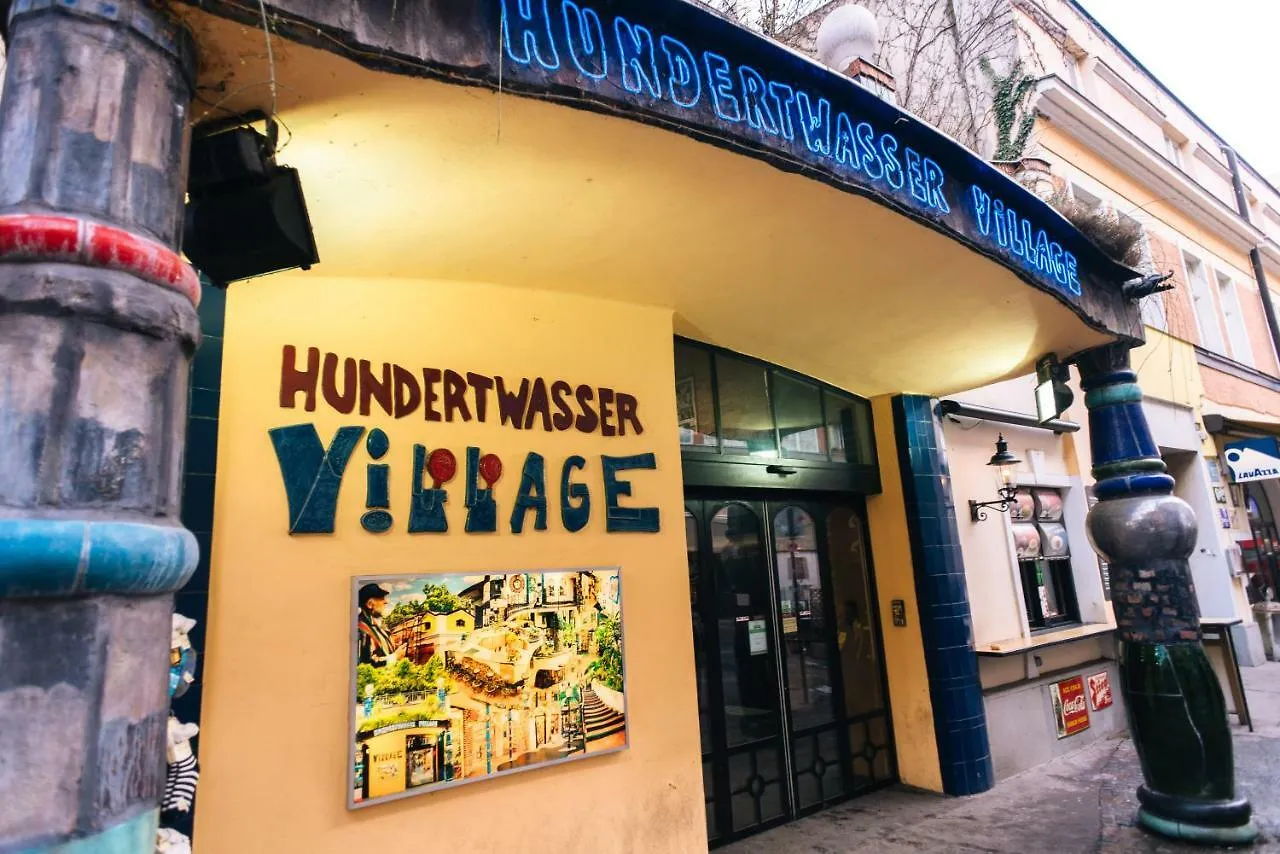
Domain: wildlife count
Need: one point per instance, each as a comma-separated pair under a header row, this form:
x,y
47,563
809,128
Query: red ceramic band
x,y
46,237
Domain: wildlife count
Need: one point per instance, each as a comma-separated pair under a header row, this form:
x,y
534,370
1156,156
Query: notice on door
x,y
757,637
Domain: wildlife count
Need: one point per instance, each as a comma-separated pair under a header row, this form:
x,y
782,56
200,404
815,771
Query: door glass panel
x,y
802,609
798,406
756,787
695,404
816,758
855,626
745,413
743,610
700,664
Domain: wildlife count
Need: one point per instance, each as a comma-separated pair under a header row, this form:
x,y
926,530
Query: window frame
x,y
1067,569
707,465
1152,307
1227,285
1207,297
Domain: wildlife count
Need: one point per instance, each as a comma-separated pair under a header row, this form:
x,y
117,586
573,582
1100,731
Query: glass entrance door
x,y
791,693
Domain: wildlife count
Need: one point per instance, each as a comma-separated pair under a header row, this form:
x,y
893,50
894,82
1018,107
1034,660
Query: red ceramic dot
x,y
490,469
442,465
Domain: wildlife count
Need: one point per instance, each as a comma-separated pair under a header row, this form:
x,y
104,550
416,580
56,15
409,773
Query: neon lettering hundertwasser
x,y
554,36
661,67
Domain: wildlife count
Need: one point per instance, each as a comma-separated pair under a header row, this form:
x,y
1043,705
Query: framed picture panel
x,y
459,678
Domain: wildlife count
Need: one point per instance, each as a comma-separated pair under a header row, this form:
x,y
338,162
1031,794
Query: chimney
x,y
846,42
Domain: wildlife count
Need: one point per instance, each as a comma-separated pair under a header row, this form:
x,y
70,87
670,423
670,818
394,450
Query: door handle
x,y
781,471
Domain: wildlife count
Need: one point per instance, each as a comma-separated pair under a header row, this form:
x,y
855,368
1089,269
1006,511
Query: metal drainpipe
x,y
1255,255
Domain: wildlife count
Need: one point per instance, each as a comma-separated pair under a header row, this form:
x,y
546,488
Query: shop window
x,y
848,428
738,407
695,403
746,417
798,405
1044,558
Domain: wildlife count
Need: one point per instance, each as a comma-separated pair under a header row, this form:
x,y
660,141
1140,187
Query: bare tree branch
x,y
933,48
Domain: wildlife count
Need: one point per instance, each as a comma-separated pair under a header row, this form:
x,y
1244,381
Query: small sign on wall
x,y
1100,691
1070,709
757,637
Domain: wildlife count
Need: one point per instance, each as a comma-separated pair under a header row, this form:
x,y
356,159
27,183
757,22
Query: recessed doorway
x,y
792,701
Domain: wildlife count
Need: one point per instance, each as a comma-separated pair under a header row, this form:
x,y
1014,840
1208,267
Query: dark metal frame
x,y
715,468
703,504
958,408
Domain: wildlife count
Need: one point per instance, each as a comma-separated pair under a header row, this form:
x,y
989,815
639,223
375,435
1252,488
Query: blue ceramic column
x,y
97,324
942,593
1177,715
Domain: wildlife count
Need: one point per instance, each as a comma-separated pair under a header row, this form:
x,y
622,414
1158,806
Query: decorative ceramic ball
x,y
850,32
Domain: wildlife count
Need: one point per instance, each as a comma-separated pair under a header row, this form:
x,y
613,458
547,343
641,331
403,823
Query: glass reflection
x,y
695,403
699,656
745,412
810,694
798,407
855,628
743,624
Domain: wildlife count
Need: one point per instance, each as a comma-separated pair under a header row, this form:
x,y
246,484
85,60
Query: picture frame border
x,y
353,654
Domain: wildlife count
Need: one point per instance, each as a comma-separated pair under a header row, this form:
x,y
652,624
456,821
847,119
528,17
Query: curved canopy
x,y
822,229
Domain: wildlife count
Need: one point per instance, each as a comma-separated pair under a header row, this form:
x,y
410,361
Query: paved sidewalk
x,y
1084,802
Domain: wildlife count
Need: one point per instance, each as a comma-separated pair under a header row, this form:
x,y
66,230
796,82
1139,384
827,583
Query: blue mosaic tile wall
x,y
200,462
959,717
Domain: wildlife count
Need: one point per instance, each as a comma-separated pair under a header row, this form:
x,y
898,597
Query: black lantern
x,y
1006,470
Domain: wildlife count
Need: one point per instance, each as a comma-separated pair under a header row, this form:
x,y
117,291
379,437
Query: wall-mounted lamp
x,y
1006,470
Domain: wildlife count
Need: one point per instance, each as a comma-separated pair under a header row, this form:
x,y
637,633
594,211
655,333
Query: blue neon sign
x,y
659,70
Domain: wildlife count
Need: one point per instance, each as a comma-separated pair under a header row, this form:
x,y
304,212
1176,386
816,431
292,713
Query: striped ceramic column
x,y
97,324
1177,715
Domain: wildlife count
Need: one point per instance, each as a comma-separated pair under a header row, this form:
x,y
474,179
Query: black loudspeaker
x,y
250,229
245,215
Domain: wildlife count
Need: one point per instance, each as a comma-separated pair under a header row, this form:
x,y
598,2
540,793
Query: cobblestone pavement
x,y
1084,802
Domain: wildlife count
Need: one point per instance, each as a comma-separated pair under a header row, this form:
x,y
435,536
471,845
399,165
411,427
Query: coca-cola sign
x,y
1070,708
1100,690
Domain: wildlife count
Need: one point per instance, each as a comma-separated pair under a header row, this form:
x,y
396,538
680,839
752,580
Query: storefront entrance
x,y
791,689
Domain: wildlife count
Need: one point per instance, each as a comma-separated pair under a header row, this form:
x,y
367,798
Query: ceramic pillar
x,y
97,324
1177,715
942,592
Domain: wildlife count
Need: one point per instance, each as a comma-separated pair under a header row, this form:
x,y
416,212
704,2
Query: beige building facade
x,y
1108,137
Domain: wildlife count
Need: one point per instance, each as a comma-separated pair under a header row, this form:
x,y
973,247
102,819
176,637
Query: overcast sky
x,y
1220,57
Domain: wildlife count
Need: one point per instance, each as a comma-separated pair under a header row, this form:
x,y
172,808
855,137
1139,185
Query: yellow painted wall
x,y
1167,369
276,695
913,731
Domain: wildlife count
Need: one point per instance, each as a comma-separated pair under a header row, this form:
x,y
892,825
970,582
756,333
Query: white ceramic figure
x,y
180,782
170,841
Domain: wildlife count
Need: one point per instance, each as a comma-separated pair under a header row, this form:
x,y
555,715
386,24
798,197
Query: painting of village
x,y
460,677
